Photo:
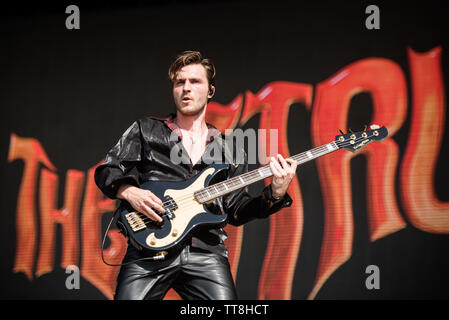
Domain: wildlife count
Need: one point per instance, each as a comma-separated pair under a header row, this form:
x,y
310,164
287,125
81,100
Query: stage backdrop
x,y
366,225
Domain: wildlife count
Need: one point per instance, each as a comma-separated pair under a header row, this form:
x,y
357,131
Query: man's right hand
x,y
142,200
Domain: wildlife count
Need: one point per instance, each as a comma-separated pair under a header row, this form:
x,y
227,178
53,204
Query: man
x,y
200,269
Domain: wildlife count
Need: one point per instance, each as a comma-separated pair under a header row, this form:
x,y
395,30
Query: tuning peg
x,y
374,126
350,130
340,131
366,127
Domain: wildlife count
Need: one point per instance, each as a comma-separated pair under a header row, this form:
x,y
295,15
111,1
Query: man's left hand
x,y
283,170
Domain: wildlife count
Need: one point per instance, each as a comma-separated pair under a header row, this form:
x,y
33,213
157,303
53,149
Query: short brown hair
x,y
191,57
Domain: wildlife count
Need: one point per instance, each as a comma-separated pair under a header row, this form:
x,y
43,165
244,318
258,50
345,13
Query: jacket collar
x,y
170,122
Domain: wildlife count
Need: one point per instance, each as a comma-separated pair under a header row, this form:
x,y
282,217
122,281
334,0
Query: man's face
x,y
191,89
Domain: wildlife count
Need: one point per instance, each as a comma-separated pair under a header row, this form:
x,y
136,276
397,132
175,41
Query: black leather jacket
x,y
143,154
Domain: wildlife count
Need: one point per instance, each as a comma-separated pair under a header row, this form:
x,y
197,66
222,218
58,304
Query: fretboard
x,y
220,189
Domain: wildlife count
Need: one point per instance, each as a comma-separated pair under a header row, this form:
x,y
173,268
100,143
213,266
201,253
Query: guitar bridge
x,y
135,221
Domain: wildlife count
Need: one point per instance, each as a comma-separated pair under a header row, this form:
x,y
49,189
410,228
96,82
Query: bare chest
x,y
195,146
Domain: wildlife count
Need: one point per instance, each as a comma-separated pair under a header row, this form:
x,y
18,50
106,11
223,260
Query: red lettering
x,y
92,266
67,217
385,81
273,102
423,208
226,117
32,153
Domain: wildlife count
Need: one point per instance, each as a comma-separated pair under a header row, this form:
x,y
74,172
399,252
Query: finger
x,y
155,198
156,202
274,169
150,213
289,165
293,165
278,166
153,205
284,163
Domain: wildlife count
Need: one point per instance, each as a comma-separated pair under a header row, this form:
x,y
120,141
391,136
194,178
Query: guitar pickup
x,y
135,221
169,213
170,207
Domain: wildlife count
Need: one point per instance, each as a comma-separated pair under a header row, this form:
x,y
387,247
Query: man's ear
x,y
211,91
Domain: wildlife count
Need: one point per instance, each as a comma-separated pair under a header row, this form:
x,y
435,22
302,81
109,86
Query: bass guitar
x,y
185,202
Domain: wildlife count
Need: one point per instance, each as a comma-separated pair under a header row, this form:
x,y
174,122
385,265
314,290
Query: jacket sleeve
x,y
241,207
119,162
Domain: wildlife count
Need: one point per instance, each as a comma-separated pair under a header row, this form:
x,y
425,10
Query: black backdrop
x,y
76,92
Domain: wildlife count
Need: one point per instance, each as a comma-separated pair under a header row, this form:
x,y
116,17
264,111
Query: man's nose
x,y
187,86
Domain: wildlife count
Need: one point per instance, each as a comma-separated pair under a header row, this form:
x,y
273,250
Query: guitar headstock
x,y
354,141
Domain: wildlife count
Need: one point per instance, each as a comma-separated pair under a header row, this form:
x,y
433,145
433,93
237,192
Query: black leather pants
x,y
193,273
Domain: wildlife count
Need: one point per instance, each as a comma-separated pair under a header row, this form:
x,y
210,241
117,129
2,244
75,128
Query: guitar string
x,y
188,198
233,181
202,193
187,202
300,157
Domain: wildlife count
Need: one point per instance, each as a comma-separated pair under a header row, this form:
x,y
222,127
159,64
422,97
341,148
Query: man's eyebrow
x,y
191,79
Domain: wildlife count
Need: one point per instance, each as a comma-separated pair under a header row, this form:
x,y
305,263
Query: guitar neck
x,y
222,188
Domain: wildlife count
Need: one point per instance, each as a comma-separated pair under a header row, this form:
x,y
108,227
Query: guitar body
x,y
184,213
